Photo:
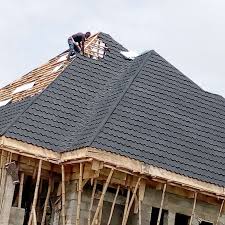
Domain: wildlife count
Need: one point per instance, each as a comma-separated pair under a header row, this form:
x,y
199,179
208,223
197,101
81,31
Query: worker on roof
x,y
76,43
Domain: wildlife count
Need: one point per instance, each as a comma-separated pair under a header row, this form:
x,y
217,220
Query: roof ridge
x,y
120,98
31,103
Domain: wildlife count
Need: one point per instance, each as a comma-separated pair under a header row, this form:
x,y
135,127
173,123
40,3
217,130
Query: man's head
x,y
87,35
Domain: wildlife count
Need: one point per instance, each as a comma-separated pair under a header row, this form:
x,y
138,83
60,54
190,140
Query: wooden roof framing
x,y
110,160
48,72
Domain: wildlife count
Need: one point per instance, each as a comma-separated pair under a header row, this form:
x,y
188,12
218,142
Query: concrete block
x,y
16,216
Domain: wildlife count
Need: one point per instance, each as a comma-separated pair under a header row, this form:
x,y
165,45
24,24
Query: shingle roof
x,y
144,109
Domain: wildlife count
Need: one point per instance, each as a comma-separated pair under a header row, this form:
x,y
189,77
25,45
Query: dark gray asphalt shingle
x,y
144,109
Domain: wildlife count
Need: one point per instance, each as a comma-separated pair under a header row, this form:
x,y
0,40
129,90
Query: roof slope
x,y
144,109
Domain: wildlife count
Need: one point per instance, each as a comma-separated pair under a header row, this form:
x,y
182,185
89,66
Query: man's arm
x,y
82,44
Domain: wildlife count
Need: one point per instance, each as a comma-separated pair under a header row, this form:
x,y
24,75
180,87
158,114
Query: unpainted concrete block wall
x,y
175,204
71,206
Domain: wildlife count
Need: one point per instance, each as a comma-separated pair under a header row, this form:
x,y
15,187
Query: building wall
x,y
173,203
71,205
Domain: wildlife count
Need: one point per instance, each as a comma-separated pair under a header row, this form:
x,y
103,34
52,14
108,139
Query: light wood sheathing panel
x,y
44,75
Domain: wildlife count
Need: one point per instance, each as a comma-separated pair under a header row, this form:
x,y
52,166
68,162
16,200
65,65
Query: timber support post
x,y
220,212
193,209
33,210
102,196
162,202
131,201
63,196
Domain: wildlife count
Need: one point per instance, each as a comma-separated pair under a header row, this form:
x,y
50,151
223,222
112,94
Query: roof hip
x,y
148,54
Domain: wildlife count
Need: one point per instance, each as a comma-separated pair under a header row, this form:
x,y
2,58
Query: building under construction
x,y
110,138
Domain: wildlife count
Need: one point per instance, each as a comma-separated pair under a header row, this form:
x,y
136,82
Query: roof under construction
x,y
144,109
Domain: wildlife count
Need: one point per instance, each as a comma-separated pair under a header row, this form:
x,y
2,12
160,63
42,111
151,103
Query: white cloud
x,y
187,33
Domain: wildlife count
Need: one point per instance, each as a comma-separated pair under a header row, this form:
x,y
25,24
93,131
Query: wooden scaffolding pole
x,y
131,201
220,212
63,196
33,210
102,196
113,205
139,211
21,190
126,205
47,200
161,205
79,194
100,214
34,218
193,209
92,201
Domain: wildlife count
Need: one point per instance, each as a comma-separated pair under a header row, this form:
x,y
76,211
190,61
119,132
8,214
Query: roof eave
x,y
119,162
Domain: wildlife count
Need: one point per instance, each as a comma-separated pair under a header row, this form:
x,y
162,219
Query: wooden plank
x,y
102,196
220,212
35,193
161,204
139,211
92,201
193,208
113,205
131,201
21,190
136,206
46,200
34,217
79,194
97,165
126,205
142,190
100,214
63,196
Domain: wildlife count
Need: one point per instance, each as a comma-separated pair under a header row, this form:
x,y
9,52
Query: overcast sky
x,y
190,34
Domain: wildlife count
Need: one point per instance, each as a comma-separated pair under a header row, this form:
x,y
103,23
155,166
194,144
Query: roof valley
x,y
120,98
